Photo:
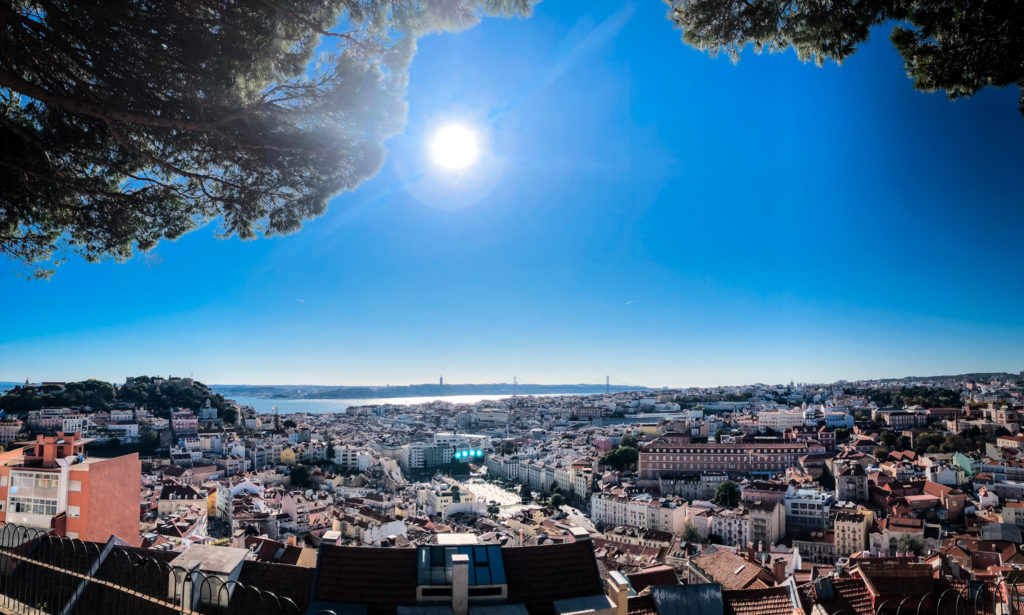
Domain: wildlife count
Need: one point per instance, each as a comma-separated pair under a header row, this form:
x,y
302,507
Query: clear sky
x,y
641,211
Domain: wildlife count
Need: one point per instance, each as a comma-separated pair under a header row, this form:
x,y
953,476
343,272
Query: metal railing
x,y
45,574
981,597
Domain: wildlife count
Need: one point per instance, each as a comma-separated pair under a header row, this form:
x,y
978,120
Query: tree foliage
x,y
911,544
525,494
620,458
96,394
692,534
158,395
300,478
162,395
946,45
926,397
727,494
556,501
126,122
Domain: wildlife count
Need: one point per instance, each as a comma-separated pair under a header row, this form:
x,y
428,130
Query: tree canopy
x,y
727,494
946,45
620,458
159,395
126,122
96,394
925,397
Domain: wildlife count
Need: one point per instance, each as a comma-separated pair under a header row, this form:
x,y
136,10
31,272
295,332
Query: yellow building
x,y
851,532
288,456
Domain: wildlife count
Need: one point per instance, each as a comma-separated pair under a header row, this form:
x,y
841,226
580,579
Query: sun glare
x,y
454,147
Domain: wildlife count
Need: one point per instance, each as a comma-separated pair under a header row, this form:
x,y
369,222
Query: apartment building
x,y
642,511
781,420
767,523
852,484
47,419
351,458
732,526
851,531
667,455
9,429
808,508
184,422
51,484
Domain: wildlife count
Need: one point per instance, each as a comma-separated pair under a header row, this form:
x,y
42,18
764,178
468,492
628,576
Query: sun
x,y
454,147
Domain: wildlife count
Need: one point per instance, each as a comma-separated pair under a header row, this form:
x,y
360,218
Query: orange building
x,y
52,484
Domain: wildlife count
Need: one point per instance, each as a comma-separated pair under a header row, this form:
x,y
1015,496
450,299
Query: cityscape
x,y
511,307
792,497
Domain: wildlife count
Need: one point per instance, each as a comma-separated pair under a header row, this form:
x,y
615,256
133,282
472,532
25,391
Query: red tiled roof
x,y
771,601
655,575
733,571
846,593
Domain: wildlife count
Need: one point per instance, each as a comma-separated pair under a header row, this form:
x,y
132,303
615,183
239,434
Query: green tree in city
x,y
692,534
149,442
123,124
300,478
525,495
946,45
911,544
889,440
881,454
630,441
556,501
727,494
620,458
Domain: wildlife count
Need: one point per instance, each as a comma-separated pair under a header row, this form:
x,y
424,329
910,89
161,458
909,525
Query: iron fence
x,y
44,574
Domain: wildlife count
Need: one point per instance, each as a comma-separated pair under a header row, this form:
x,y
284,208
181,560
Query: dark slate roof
x,y
382,579
642,605
698,599
537,576
283,580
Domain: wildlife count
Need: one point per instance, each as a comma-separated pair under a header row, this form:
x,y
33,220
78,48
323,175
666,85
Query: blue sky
x,y
641,210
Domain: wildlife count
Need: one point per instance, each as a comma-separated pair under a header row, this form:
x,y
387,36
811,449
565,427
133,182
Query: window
x,y
75,485
74,512
36,506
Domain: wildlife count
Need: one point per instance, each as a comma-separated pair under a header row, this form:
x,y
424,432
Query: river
x,y
325,406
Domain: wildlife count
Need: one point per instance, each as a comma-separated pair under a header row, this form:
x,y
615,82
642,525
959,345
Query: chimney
x,y
779,570
751,553
618,592
460,584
